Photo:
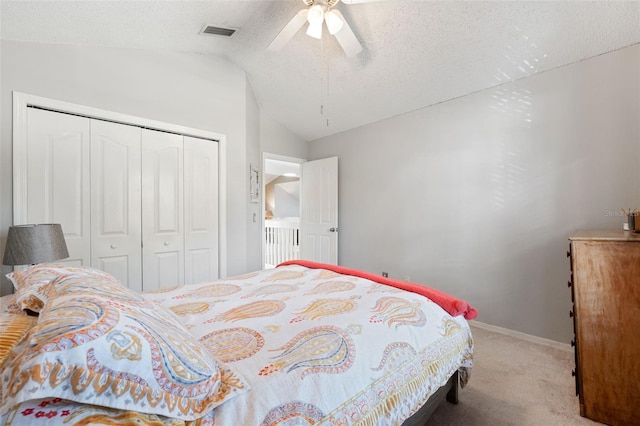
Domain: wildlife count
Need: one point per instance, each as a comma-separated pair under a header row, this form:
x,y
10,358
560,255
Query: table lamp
x,y
31,244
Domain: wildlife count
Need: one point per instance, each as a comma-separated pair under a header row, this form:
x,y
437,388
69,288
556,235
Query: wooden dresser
x,y
605,290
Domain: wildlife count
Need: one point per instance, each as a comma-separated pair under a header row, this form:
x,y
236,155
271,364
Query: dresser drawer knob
x,y
573,373
571,314
569,254
569,284
573,343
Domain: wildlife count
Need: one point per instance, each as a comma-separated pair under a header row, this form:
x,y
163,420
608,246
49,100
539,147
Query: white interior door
x,y
200,210
319,218
115,201
57,186
162,210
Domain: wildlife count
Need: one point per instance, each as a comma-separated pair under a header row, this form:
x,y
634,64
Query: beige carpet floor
x,y
515,382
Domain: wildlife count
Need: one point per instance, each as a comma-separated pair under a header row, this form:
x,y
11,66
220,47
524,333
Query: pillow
x,y
8,305
117,350
31,284
14,328
58,411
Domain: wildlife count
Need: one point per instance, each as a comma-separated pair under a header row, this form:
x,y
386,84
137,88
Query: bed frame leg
x,y
452,395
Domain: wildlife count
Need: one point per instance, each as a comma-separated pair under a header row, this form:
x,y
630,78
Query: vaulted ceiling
x,y
415,53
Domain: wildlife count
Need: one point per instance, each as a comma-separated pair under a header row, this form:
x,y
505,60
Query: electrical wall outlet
x,y
385,274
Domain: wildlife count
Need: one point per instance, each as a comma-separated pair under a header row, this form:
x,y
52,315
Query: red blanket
x,y
452,305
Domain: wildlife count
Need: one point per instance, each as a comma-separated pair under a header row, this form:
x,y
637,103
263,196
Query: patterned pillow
x,y
61,412
119,351
14,329
8,305
32,284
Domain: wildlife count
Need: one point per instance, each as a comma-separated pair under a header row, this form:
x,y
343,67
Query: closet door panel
x,y
116,201
137,203
162,210
58,176
201,209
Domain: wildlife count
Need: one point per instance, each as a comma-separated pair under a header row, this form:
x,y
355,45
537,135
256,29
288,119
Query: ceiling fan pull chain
x,y
322,82
326,85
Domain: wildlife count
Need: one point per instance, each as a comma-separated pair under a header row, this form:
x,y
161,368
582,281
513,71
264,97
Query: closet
x,y
139,203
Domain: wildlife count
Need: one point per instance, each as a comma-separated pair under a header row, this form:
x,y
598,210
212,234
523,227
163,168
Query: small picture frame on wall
x,y
254,184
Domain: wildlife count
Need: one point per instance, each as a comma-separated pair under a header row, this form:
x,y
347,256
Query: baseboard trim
x,y
523,336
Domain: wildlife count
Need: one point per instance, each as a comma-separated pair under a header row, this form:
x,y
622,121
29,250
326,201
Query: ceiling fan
x,y
316,14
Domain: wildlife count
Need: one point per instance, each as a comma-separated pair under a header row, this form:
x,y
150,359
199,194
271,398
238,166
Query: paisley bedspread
x,y
318,347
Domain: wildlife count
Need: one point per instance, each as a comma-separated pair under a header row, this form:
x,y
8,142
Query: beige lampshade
x,y
30,244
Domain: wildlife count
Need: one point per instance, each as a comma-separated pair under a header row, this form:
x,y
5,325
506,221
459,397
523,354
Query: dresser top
x,y
605,235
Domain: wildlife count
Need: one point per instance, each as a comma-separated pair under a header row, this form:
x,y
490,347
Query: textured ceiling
x,y
416,53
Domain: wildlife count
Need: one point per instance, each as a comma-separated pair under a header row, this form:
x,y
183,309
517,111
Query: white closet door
x,y
57,178
162,210
200,210
115,201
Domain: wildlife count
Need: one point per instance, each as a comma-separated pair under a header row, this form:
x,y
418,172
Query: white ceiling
x,y
416,53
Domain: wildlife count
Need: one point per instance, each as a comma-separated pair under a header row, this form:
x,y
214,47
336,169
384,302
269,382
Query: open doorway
x,y
281,236
300,210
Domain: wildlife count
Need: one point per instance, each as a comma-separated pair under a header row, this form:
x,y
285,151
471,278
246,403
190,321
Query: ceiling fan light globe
x,y
315,30
334,23
315,15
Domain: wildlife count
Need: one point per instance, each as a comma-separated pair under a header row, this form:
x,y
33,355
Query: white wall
x,y
277,139
191,90
254,156
286,199
477,195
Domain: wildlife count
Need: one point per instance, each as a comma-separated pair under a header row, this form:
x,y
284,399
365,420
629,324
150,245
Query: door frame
x,y
22,101
269,156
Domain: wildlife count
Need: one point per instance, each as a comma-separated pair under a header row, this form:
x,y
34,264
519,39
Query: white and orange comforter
x,y
318,347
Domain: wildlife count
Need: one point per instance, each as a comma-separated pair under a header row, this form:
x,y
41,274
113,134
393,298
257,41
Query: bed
x,y
301,344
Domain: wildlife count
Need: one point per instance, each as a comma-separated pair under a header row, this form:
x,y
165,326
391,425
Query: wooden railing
x,y
282,241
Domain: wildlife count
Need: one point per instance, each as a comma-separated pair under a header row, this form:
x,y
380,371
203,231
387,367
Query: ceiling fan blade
x,y
289,30
347,38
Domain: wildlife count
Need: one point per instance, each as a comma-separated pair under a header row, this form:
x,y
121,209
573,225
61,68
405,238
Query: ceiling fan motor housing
x,y
317,13
328,3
